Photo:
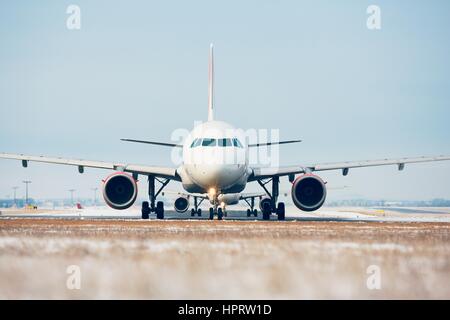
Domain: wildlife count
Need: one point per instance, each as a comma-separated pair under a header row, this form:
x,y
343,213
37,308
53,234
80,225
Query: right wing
x,y
163,172
263,173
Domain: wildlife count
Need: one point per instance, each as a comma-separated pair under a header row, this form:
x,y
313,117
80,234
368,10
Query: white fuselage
x,y
215,159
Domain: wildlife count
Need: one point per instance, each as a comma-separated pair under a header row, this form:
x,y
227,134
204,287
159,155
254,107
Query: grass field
x,y
223,259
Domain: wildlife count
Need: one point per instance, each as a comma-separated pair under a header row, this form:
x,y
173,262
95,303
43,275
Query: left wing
x,y
163,172
262,173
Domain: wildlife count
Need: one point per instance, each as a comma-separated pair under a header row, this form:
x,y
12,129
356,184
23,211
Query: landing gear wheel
x,y
145,210
211,214
249,213
159,210
219,214
255,212
266,211
199,212
281,211
192,212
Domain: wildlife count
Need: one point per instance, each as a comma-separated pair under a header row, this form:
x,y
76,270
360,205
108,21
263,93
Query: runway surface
x,y
391,214
330,255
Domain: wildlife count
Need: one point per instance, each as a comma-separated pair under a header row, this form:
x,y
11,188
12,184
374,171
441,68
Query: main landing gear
x,y
158,210
196,210
148,207
272,206
279,211
252,211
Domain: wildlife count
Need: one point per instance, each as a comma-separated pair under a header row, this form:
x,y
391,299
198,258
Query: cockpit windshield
x,y
225,143
237,143
211,142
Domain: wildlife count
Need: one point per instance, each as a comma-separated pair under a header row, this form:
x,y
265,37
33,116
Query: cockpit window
x,y
209,142
196,142
237,143
225,143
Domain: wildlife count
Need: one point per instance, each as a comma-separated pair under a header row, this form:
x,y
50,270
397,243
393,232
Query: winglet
x,y
211,84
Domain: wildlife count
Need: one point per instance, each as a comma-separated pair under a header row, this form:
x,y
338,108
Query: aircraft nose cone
x,y
219,176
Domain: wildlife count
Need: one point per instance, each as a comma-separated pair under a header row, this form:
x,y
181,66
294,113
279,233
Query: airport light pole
x,y
27,182
15,199
95,196
71,195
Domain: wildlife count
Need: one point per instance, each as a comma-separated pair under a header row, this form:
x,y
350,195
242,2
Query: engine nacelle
x,y
264,200
308,192
120,190
181,204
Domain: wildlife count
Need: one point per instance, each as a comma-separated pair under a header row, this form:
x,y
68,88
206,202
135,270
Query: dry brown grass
x,y
228,259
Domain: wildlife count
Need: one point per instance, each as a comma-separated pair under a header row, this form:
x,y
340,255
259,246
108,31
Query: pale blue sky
x,y
138,69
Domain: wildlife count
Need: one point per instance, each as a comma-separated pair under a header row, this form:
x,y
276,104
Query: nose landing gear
x,y
217,211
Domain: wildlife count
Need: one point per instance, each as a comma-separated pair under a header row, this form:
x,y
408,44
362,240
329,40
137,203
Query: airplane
x,y
216,168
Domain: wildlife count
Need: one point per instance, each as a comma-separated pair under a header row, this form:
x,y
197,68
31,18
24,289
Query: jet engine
x,y
120,190
264,200
308,192
181,204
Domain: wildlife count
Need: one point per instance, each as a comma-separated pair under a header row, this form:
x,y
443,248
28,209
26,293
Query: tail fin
x,y
211,84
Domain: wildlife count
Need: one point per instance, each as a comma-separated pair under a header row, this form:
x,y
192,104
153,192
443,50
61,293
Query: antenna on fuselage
x,y
211,83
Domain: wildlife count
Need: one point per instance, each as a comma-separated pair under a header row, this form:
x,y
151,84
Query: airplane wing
x,y
163,172
251,195
185,194
262,173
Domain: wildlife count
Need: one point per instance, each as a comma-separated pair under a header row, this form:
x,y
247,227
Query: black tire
x,y
281,212
267,210
192,212
145,210
199,212
219,214
211,214
160,210
249,212
255,212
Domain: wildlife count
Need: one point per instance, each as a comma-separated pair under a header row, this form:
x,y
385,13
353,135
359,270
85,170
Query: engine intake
x,y
308,192
181,204
120,191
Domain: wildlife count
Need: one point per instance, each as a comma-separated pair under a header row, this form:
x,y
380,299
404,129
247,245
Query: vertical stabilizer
x,y
211,84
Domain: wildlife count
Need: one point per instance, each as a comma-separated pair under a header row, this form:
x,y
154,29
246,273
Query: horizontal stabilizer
x,y
271,143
